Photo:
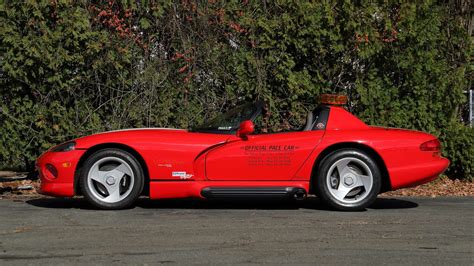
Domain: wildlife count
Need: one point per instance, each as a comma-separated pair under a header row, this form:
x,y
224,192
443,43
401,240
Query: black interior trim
x,y
251,192
323,116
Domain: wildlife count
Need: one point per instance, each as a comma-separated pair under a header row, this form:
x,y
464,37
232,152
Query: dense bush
x,y
70,68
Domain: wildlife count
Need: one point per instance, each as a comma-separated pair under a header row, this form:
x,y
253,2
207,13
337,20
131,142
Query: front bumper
x,y
56,172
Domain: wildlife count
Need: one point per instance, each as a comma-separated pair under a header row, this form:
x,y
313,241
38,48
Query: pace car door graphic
x,y
262,157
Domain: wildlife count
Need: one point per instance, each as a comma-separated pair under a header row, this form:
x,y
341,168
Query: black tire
x,y
133,191
324,180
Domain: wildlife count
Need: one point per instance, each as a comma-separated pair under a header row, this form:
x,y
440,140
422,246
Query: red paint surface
x,y
185,189
285,159
63,184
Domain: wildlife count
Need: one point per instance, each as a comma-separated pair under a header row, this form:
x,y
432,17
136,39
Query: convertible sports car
x,y
335,156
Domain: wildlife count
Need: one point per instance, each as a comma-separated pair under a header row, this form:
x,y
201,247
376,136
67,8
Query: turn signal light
x,y
432,145
332,99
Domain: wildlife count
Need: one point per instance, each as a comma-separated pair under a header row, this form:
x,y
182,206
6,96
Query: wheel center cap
x,y
348,180
110,180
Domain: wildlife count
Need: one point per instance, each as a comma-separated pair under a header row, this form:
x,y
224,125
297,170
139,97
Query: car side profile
x,y
335,156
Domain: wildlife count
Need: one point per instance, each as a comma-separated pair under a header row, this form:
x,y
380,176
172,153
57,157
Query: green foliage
x,y
71,68
458,146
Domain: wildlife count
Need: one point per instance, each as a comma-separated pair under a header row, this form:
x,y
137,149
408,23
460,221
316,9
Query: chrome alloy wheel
x,y
349,180
110,179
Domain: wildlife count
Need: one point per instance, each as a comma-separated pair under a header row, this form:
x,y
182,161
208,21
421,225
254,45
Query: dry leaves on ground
x,y
17,188
442,186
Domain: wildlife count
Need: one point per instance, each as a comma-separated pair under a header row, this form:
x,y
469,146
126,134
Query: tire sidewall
x,y
321,181
137,172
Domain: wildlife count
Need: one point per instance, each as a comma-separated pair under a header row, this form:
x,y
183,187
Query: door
x,y
262,157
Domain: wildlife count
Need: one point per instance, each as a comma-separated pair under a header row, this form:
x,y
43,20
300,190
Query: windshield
x,y
230,121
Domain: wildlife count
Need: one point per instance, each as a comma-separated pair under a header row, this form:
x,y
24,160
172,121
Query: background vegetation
x,y
71,68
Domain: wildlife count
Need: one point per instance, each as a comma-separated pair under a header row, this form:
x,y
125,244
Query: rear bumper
x,y
56,172
417,174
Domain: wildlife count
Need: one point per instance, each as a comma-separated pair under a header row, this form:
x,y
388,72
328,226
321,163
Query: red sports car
x,y
335,156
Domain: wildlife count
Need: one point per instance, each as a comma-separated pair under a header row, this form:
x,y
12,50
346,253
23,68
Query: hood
x,y
130,135
142,129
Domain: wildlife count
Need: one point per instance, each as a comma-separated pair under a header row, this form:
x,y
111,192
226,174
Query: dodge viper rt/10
x,y
335,156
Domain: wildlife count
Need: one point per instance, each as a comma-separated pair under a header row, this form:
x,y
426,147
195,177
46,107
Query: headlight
x,y
68,146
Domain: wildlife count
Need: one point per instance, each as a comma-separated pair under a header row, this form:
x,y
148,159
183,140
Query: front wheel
x,y
348,180
112,179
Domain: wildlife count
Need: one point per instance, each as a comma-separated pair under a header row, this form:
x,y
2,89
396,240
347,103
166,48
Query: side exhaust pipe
x,y
300,194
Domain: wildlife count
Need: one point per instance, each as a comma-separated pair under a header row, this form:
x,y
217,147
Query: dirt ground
x,y
11,187
442,186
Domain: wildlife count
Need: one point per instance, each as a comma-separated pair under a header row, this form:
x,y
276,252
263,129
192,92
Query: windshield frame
x,y
257,110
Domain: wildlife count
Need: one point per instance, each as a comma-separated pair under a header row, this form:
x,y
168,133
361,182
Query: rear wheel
x,y
348,180
112,179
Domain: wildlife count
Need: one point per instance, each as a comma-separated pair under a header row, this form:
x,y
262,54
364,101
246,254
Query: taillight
x,y
432,145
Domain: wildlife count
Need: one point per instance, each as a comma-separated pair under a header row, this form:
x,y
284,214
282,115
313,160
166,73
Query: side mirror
x,y
246,128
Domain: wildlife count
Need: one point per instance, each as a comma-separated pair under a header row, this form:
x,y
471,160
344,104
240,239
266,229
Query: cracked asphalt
x,y
409,231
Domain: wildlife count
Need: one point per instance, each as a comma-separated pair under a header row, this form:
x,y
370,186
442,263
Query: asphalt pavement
x,y
408,231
